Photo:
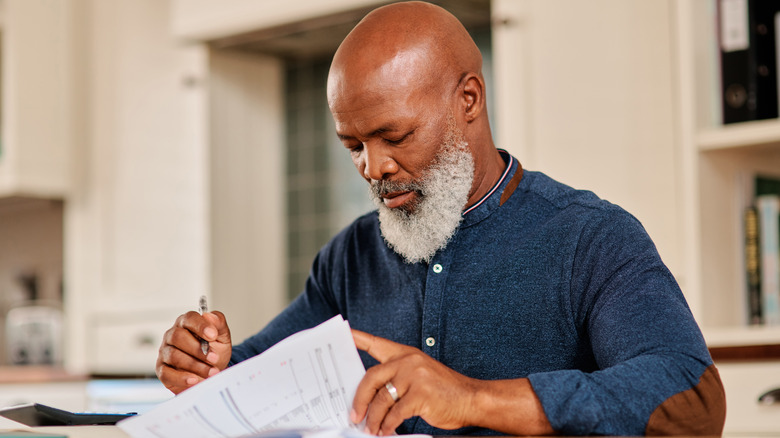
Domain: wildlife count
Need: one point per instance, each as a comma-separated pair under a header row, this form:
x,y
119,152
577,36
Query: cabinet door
x,y
744,384
585,94
149,152
36,71
136,223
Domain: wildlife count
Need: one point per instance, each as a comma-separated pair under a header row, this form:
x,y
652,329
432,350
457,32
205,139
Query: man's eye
x,y
398,140
355,149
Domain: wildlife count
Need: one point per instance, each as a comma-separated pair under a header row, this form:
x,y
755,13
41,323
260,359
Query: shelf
x,y
739,135
739,336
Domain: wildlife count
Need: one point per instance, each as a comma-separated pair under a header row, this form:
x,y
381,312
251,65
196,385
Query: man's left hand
x,y
425,388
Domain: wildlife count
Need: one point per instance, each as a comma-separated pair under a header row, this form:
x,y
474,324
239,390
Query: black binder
x,y
748,59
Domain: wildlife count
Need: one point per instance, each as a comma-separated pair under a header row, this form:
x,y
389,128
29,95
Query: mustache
x,y
382,188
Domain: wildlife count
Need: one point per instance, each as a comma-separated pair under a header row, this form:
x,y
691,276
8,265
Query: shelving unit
x,y
740,136
716,160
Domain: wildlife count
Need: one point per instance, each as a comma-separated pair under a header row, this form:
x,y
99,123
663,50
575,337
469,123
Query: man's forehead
x,y
368,121
401,71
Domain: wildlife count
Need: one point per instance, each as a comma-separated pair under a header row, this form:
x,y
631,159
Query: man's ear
x,y
473,96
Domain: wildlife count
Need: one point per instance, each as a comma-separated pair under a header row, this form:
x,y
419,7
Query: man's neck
x,y
486,176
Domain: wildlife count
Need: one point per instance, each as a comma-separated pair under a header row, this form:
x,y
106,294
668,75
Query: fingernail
x,y
210,332
192,380
367,431
353,416
212,357
213,372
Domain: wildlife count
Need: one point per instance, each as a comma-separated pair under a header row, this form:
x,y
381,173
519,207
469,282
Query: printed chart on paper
x,y
306,381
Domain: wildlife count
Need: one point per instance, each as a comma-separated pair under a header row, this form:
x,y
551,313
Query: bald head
x,y
404,83
403,44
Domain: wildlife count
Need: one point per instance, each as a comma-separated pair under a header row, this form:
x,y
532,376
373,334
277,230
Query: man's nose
x,y
378,164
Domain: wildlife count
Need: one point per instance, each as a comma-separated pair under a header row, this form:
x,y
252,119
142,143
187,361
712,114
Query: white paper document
x,y
306,381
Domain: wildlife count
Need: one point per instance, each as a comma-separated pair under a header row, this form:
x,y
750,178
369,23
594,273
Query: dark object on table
x,y
36,414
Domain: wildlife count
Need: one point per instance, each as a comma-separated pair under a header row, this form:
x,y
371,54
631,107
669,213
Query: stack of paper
x,y
305,382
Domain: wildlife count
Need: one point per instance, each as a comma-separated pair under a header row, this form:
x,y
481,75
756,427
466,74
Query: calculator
x,y
36,414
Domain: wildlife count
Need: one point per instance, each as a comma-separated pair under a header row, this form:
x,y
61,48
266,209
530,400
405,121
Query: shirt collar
x,y
492,199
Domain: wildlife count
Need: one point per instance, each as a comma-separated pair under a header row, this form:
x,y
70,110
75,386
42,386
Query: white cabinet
x,y
35,121
136,221
125,346
744,384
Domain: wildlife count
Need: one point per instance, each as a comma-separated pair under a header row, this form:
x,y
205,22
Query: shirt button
x,y
437,268
430,341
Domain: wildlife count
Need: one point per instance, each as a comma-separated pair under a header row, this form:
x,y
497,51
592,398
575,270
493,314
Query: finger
x,y
184,340
371,387
380,349
176,380
378,409
182,361
198,325
400,411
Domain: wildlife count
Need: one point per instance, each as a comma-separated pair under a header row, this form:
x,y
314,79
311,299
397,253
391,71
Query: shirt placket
x,y
435,284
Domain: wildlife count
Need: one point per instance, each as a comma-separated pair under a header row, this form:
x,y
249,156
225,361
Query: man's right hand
x,y
181,362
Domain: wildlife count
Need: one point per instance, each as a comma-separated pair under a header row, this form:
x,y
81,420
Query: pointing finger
x,y
380,349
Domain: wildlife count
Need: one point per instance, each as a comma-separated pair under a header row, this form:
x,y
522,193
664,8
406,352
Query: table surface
x,y
108,431
78,431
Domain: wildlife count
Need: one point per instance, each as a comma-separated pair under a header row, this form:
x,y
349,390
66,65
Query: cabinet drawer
x,y
744,384
126,348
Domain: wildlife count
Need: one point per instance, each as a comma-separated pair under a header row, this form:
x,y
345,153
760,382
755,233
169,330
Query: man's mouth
x,y
397,199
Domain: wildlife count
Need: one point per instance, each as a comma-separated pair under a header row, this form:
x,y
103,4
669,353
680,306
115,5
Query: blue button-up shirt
x,y
550,283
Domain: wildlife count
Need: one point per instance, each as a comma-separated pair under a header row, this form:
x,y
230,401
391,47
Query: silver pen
x,y
203,307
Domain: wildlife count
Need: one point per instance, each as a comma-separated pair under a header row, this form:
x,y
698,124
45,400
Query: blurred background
x,y
153,151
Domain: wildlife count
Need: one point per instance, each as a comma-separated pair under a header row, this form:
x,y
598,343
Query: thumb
x,y
219,330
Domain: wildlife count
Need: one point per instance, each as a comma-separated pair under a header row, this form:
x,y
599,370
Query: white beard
x,y
443,192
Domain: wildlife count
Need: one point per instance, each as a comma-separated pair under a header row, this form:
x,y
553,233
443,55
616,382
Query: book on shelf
x,y
768,207
748,59
753,266
761,234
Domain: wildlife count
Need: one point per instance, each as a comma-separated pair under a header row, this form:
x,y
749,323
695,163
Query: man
x,y
496,298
